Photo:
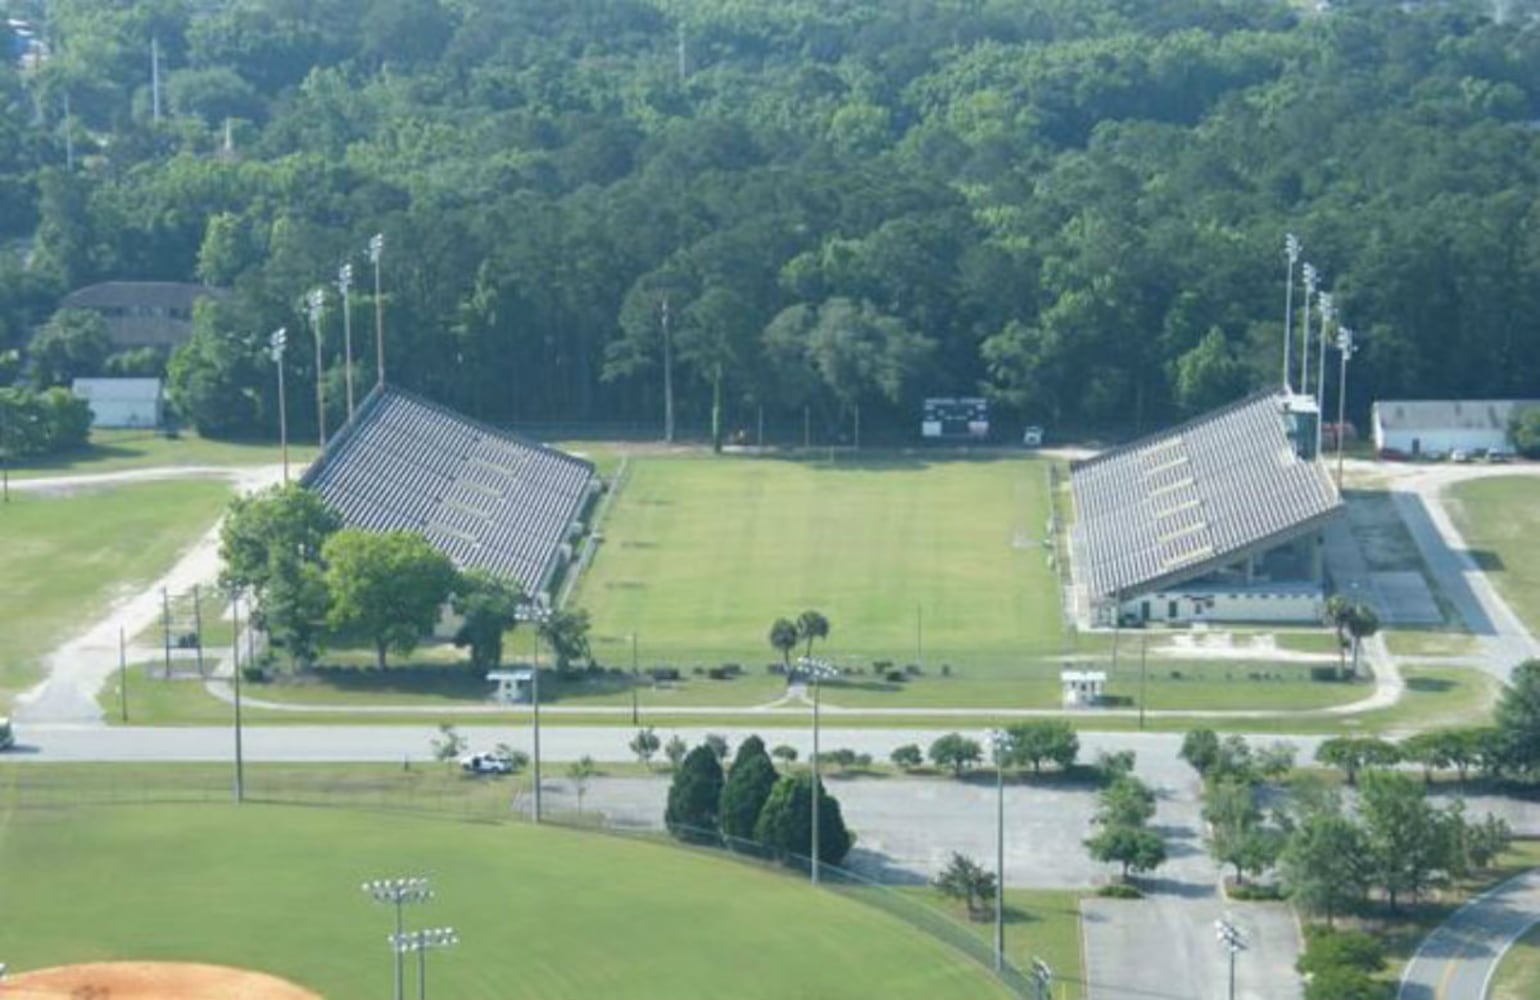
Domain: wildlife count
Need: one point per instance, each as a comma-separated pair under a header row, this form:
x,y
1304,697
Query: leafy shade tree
x,y
695,795
1126,801
1362,624
1324,864
1352,754
968,881
717,744
1051,740
860,352
488,607
42,423
1209,375
785,753
1407,840
1134,848
645,744
387,586
74,344
448,745
786,822
812,625
1237,834
1518,717
956,751
674,752
1524,431
1200,748
784,639
566,632
909,756
749,783
581,772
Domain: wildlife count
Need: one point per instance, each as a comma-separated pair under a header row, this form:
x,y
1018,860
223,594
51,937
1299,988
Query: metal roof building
x,y
143,313
122,402
1219,495
487,498
1439,426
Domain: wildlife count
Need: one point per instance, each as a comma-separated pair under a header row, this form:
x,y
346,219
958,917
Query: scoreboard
x,y
948,419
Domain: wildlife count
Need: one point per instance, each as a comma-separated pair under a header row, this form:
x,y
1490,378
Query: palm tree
x,y
812,625
1338,611
784,637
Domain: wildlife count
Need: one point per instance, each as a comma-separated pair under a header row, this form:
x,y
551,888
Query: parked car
x,y
1032,437
486,763
1459,455
1498,457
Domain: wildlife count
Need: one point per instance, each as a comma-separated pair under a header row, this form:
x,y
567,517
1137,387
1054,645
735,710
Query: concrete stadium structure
x,y
487,498
1218,519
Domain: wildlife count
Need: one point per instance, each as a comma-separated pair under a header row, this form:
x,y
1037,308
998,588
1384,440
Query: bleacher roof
x,y
1181,503
486,498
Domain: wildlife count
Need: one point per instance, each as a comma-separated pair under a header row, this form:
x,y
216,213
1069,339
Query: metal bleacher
x,y
486,498
1181,502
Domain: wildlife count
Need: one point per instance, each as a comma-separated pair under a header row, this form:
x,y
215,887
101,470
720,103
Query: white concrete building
x,y
1436,427
122,402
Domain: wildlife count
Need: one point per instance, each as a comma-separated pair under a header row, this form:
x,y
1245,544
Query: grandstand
x,y
486,498
1218,519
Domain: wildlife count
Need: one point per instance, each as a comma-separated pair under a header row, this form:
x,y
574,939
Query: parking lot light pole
x,y
818,669
398,892
539,615
422,942
999,742
1230,939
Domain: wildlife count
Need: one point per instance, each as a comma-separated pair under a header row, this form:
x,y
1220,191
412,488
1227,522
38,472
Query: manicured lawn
x,y
67,556
1518,975
116,450
1417,642
541,912
1500,519
1038,924
912,560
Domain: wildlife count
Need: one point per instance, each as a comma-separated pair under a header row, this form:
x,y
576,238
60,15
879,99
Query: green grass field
x,y
117,450
1518,975
910,558
541,912
67,556
1500,519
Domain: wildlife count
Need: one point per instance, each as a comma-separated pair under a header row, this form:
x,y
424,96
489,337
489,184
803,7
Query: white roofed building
x,y
122,402
1436,427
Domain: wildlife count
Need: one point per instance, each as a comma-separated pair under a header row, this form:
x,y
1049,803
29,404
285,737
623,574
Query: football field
x,y
912,559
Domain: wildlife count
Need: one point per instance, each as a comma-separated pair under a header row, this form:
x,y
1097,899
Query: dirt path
x,y
76,670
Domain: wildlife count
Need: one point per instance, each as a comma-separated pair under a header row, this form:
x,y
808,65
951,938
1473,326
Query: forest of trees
x,y
1077,206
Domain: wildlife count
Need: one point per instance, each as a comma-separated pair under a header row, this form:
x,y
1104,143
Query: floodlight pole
x,y
1328,314
276,344
235,672
397,892
1291,250
1346,349
345,288
635,708
1304,351
376,252
316,301
1230,939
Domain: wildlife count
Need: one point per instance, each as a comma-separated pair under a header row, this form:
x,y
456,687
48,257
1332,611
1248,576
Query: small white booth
x,y
514,687
1083,688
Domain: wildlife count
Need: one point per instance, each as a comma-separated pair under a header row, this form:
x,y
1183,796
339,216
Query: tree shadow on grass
x,y
1429,685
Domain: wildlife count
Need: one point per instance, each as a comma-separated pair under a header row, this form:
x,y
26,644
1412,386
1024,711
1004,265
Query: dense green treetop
x,y
1076,205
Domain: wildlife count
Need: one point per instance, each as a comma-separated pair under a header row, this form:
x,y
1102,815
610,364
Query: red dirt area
x,y
148,981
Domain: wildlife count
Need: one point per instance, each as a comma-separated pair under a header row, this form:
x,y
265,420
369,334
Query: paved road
x,y
1457,961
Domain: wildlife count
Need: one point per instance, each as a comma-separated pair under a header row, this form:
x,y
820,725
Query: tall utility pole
x,y
155,80
998,741
1328,315
235,671
377,251
1347,348
316,301
1291,250
345,288
1304,352
668,377
275,344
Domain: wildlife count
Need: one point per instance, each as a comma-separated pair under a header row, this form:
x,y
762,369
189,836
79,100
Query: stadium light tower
x,y
423,942
316,302
1308,270
999,742
398,892
1347,349
276,344
818,670
1291,250
539,615
1328,316
345,289
376,252
1231,940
